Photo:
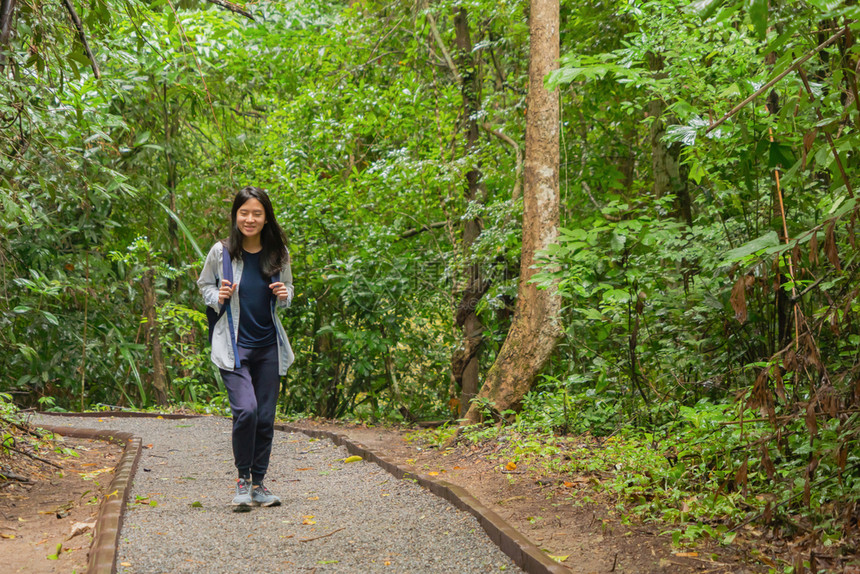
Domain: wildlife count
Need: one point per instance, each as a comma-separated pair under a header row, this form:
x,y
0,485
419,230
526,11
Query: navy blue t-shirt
x,y
256,328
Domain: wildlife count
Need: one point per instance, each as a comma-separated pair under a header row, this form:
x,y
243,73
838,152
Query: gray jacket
x,y
222,347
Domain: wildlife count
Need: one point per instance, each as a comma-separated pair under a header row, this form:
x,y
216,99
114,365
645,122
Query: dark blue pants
x,y
253,393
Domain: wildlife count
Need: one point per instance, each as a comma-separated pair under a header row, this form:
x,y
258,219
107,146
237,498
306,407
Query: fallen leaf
x,y
301,469
433,473
94,473
457,468
686,554
511,465
56,554
313,498
560,558
353,458
568,484
7,536
388,562
196,504
125,563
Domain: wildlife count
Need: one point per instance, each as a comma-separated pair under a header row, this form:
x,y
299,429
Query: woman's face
x,y
250,218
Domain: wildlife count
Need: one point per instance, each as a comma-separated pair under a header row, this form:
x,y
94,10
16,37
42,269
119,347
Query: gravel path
x,y
335,516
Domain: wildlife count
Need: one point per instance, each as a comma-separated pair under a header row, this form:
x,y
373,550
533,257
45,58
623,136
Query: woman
x,y
249,344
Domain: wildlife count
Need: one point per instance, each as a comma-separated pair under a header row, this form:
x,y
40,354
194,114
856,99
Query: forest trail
x,y
335,516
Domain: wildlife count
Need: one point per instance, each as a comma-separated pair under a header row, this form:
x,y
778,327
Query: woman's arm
x,y
210,277
286,277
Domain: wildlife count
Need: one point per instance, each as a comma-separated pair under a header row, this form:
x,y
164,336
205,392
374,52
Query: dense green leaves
x,y
697,288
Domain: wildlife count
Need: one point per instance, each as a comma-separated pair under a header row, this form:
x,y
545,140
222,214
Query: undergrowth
x,y
701,473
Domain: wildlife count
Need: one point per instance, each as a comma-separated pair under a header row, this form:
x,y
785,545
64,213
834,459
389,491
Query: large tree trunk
x,y
535,327
465,362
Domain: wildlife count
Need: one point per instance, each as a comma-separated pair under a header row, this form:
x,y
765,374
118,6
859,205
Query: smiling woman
x,y
249,344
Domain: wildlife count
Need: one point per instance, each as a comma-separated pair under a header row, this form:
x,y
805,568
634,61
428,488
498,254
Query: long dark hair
x,y
274,255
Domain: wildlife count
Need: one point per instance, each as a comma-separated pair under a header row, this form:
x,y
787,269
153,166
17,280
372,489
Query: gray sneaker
x,y
242,500
262,496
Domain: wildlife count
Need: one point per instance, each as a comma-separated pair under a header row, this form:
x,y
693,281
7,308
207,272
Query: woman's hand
x,y
226,291
280,291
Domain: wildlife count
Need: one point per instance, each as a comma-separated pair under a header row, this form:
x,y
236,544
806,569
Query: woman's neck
x,y
252,244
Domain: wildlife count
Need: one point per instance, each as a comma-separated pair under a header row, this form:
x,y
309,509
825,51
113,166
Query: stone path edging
x,y
520,549
109,519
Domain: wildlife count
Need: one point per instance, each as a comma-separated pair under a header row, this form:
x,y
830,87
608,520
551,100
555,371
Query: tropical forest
x,y
608,247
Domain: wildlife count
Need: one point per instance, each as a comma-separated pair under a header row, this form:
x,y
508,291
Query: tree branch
x,y
83,37
441,44
6,475
247,114
413,232
587,190
515,194
771,83
33,456
232,8
26,429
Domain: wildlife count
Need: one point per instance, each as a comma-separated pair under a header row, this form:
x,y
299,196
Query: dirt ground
x,y
585,536
38,516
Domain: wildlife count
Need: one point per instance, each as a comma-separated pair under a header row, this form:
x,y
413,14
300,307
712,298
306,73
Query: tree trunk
x,y
7,10
535,327
159,377
665,164
465,362
170,128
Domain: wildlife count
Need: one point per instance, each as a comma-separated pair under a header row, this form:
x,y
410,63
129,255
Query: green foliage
x,y
686,307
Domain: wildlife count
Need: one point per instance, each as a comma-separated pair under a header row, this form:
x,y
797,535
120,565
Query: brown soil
x,y
554,512
37,516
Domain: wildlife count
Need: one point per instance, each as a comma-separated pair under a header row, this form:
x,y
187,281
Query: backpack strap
x,y
274,302
227,273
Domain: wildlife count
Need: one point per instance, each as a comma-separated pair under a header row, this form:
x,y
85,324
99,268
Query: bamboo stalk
x,y
787,255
